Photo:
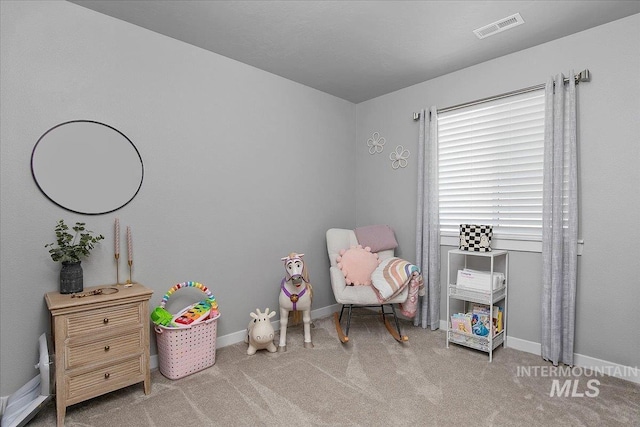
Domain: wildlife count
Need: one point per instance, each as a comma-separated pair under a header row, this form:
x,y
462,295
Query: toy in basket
x,y
193,314
186,341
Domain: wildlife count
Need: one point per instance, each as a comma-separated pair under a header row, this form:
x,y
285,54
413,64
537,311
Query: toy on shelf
x,y
260,332
295,295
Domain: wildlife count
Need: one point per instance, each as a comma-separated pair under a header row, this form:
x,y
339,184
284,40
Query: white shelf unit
x,y
497,261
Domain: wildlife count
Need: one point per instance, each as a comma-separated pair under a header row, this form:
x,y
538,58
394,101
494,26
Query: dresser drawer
x,y
86,385
103,319
104,348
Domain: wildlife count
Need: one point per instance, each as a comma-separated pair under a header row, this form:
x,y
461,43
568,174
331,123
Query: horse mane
x,y
305,273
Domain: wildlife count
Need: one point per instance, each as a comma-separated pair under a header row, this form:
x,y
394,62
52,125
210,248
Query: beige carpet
x,y
371,381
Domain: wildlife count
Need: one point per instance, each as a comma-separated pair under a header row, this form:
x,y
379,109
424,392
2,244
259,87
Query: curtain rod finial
x,y
416,116
583,76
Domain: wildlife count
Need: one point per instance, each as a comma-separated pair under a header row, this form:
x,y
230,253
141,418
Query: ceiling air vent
x,y
499,26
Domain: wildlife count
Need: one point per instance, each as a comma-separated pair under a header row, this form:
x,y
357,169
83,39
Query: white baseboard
x,y
524,345
580,360
153,362
600,366
613,369
236,337
3,404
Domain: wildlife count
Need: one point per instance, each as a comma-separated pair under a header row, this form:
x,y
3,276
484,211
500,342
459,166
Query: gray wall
x,y
608,293
241,168
222,143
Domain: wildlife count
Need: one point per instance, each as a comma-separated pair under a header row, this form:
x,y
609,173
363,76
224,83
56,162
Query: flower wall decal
x,y
399,157
376,143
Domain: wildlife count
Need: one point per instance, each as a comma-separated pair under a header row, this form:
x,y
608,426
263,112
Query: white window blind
x,y
491,166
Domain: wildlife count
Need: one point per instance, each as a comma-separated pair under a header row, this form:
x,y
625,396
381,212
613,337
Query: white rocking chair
x,y
358,296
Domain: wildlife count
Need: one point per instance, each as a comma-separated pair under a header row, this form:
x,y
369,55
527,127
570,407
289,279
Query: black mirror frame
x,y
33,173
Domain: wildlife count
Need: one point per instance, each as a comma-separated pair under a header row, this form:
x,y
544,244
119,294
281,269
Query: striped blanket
x,y
391,278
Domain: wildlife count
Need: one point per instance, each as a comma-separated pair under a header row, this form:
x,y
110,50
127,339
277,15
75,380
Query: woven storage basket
x,y
185,350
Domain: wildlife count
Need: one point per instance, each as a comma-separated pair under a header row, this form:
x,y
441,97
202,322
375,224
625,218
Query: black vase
x,y
71,278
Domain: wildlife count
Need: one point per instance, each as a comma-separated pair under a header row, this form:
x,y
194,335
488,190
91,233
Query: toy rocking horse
x,y
295,295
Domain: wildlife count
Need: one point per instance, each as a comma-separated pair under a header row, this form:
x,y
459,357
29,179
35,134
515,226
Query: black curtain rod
x,y
582,76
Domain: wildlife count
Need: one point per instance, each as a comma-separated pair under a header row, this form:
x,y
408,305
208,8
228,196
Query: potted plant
x,y
69,249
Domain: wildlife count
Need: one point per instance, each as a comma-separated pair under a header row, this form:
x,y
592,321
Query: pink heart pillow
x,y
357,264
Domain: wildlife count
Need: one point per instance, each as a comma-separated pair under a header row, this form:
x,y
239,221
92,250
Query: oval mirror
x,y
87,167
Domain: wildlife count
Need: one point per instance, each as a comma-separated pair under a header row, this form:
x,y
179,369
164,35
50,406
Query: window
x,y
491,166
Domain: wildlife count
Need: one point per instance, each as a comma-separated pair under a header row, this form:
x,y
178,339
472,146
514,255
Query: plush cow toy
x,y
260,332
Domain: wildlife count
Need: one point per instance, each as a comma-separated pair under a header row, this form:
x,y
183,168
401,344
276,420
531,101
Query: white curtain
x,y
559,222
428,223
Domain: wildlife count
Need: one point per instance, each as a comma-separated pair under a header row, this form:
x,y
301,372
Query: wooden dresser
x,y
101,342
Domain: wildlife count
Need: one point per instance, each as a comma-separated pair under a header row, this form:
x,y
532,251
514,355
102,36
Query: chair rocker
x,y
359,296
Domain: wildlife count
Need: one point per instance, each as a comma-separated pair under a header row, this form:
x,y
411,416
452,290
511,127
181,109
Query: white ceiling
x,y
358,50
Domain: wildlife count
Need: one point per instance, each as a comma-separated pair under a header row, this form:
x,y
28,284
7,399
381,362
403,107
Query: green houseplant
x,y
69,249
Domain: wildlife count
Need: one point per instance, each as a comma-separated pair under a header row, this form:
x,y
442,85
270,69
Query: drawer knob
x,y
107,375
106,348
105,320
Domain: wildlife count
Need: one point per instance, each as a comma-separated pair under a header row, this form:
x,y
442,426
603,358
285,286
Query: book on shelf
x,y
482,313
461,322
480,324
497,319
